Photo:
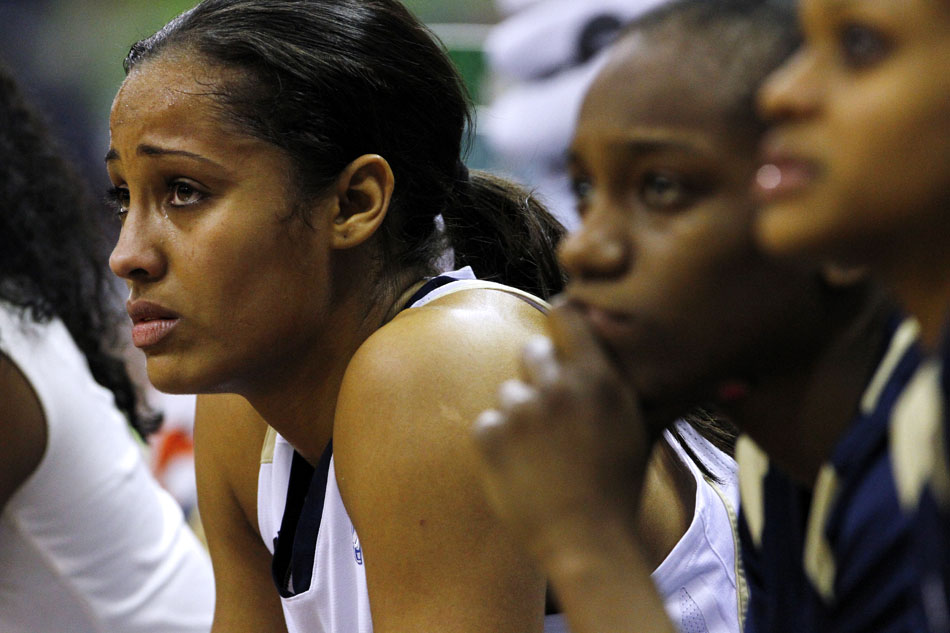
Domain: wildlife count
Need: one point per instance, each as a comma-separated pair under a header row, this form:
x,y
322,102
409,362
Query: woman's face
x,y
663,264
224,287
856,170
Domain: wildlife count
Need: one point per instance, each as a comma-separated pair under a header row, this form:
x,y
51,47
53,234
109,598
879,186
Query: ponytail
x,y
504,234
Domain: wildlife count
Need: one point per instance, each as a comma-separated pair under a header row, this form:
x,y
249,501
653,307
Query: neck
x,y
915,264
300,402
798,416
923,287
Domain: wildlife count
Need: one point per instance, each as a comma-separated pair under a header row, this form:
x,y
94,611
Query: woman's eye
x,y
118,199
582,189
663,192
184,194
862,46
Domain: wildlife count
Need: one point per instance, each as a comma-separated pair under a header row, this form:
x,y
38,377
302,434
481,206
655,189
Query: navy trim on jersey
x,y
944,356
779,563
870,540
296,541
934,520
427,287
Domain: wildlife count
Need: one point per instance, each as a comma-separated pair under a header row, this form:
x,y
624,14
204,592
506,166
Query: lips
x,y
608,325
782,174
151,322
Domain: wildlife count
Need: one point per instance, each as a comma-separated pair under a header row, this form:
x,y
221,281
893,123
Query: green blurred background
x,y
68,55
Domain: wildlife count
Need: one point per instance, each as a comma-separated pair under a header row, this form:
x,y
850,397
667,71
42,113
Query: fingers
x,y
514,394
570,333
489,432
539,361
571,346
517,403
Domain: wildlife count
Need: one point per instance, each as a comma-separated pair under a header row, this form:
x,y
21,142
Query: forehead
x,y
174,99
169,83
909,18
653,84
893,8
647,80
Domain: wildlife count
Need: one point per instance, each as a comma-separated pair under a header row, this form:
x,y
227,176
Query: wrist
x,y
588,545
602,580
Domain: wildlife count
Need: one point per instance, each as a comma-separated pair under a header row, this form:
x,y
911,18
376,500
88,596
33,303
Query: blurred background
x,y
526,63
67,54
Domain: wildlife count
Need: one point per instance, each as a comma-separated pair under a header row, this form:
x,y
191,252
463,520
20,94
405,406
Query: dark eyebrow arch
x,y
839,5
152,150
644,147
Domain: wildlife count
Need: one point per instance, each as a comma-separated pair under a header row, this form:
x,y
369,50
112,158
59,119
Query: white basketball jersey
x,y
318,563
89,542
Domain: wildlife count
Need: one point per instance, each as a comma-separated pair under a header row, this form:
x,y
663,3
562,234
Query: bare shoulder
x,y
456,338
409,474
22,429
439,365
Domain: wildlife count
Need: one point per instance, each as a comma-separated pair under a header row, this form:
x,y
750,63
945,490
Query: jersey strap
x,y
295,543
442,286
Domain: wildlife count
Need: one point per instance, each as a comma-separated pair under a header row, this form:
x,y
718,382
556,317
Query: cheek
x,y
892,175
684,279
221,262
236,271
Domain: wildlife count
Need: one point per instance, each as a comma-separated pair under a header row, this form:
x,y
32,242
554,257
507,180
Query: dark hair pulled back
x,y
53,249
331,80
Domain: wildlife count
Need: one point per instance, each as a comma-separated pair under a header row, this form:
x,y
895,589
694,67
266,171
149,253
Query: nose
x,y
792,90
598,249
137,255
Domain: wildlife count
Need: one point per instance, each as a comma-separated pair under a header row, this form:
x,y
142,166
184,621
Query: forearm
x,y
602,580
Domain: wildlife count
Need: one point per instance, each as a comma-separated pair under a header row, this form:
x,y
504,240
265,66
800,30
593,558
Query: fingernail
x,y
539,348
489,419
514,393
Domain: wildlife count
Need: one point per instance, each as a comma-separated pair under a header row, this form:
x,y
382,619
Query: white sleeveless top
x,y
90,543
701,579
321,573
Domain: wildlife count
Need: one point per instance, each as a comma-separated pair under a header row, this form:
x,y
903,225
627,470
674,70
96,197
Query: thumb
x,y
570,333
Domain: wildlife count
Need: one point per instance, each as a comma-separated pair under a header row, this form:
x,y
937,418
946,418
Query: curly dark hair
x,y
53,246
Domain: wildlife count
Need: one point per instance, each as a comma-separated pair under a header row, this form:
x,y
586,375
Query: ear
x,y
363,189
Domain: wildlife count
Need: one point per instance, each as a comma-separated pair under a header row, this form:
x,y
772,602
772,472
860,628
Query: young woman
x,y
671,305
283,171
856,169
88,540
856,172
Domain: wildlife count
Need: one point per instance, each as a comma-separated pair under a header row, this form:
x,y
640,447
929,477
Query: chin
x,y
655,389
790,231
172,386
171,377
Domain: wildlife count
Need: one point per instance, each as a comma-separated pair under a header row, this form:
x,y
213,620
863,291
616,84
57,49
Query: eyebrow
x,y
153,150
636,144
837,6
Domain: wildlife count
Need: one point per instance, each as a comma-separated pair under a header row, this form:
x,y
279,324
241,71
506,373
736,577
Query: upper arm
x,y
22,429
436,556
228,438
